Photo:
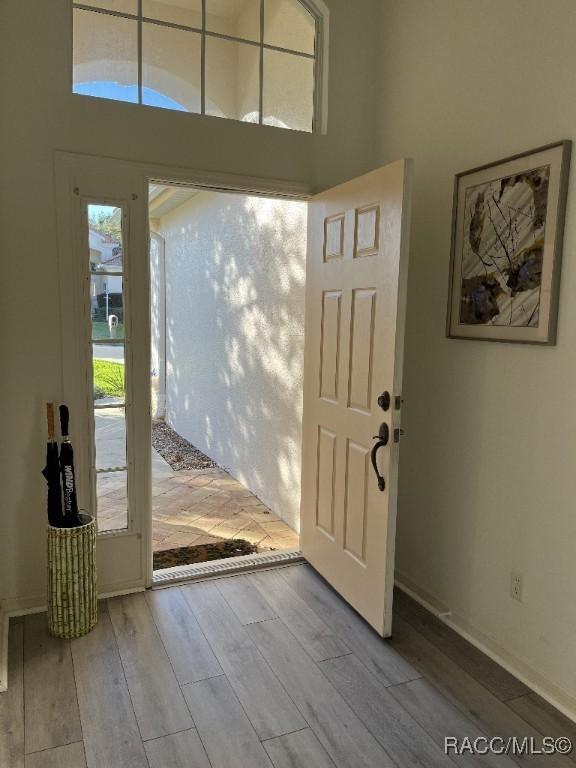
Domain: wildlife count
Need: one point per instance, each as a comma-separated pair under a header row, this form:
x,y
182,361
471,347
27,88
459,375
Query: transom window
x,y
249,60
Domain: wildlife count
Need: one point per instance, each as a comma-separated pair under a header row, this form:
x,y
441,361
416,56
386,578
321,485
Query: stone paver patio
x,y
206,506
188,506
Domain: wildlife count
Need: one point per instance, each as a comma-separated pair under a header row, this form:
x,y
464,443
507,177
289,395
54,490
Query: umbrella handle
x,y
50,420
64,417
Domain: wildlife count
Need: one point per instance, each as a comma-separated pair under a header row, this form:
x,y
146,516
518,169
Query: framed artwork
x,y
507,233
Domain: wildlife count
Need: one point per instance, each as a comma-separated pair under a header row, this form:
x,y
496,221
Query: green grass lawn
x,y
108,379
100,330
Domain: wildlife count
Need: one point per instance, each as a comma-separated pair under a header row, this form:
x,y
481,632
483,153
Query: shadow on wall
x,y
235,273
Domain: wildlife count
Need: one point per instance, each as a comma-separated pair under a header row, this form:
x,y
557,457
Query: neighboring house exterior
x,y
105,289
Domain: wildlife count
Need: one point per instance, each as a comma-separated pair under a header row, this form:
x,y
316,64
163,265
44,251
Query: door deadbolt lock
x,y
384,401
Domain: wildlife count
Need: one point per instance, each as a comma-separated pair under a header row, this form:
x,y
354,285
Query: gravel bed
x,y
177,451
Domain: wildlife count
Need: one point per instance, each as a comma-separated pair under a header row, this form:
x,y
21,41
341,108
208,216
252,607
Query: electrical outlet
x,y
516,586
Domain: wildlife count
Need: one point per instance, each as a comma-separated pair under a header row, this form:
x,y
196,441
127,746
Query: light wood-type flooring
x,y
264,670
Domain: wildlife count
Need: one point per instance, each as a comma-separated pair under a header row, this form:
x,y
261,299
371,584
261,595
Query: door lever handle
x,y
382,437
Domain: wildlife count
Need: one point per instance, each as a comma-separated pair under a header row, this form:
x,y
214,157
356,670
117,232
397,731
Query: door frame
x,y
124,557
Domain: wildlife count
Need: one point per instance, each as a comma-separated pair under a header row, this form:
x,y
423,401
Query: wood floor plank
x,y
158,702
189,651
51,717
226,732
179,750
70,756
111,735
383,661
245,600
441,719
401,736
269,708
490,714
339,730
492,676
298,750
12,702
545,718
316,637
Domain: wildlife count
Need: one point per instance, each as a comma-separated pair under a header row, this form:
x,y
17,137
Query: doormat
x,y
201,553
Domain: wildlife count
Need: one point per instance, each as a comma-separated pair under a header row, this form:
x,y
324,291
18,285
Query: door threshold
x,y
224,567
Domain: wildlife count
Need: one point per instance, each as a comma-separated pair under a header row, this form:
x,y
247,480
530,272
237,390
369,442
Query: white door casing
x,y
355,310
122,555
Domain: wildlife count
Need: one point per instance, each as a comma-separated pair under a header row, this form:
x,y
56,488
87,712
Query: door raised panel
x,y
367,234
325,481
361,349
329,345
334,237
356,499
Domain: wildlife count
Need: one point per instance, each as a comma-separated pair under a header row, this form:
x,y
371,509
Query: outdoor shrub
x,y
109,378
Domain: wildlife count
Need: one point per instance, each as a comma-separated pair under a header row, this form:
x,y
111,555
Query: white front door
x,y
355,308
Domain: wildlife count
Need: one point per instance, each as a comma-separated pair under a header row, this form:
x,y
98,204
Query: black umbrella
x,y
71,517
52,472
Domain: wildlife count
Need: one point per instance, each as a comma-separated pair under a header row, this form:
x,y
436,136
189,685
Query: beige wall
x,y
235,272
488,480
39,115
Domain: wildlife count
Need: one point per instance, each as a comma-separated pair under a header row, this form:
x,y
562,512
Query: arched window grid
x,y
315,57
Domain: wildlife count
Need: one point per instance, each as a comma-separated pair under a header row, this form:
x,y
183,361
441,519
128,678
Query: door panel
x,y
361,349
329,345
356,502
355,297
326,474
334,237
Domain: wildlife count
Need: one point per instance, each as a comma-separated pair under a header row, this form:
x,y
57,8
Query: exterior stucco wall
x,y
157,326
235,270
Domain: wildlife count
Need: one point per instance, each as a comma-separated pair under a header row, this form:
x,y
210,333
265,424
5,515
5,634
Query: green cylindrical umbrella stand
x,y
72,594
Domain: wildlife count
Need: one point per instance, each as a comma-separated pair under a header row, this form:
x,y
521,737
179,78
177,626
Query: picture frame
x,y
506,250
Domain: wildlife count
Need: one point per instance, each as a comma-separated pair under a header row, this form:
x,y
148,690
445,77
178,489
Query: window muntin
x,y
249,60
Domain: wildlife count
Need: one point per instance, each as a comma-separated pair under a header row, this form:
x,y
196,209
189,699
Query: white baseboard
x,y
3,652
553,694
